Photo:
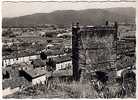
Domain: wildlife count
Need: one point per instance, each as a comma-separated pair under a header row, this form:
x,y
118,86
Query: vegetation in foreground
x,y
56,88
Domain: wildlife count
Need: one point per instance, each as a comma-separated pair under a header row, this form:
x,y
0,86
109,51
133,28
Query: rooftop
x,y
53,52
34,73
61,59
21,54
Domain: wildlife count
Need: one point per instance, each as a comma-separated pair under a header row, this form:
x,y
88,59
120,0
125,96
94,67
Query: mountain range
x,y
66,17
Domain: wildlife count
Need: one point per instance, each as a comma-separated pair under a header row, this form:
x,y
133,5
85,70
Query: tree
x,y
43,56
51,64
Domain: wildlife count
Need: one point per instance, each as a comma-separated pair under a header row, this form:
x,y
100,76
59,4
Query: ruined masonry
x,y
93,48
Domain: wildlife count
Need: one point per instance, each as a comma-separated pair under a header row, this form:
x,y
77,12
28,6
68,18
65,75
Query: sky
x,y
15,9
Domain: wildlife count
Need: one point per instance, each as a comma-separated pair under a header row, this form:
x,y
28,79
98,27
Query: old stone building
x,y
93,49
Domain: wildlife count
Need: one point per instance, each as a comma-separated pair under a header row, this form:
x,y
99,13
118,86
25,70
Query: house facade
x,y
10,60
63,65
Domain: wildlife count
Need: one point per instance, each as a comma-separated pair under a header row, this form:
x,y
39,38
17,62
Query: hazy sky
x,y
14,9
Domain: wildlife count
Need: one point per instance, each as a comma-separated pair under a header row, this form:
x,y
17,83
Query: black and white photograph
x,y
68,49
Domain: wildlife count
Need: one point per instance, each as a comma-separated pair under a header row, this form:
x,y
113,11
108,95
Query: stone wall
x,y
96,49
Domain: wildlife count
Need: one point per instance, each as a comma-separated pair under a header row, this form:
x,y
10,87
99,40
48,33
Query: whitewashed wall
x,y
39,79
63,65
19,60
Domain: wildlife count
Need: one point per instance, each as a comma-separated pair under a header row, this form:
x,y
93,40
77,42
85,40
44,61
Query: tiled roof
x,y
53,52
61,59
21,54
36,72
